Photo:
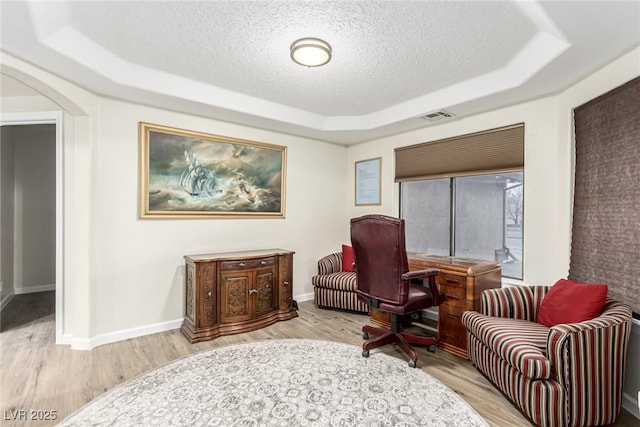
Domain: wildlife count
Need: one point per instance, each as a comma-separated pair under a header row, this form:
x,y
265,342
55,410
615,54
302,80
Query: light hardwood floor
x,y
38,375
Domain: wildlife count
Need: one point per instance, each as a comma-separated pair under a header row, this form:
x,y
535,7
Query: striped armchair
x,y
566,375
334,288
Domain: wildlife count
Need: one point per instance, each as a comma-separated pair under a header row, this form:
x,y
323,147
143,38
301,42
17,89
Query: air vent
x,y
437,115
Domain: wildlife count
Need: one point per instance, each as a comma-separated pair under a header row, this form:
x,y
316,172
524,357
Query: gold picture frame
x,y
189,174
368,182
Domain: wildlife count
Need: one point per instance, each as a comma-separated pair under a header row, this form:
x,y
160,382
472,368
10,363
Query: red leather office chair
x,y
385,282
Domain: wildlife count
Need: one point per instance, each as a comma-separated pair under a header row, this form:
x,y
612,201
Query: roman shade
x,y
605,243
494,150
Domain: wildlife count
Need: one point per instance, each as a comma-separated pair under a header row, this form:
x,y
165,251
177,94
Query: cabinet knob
x,y
209,295
242,264
286,282
263,262
253,291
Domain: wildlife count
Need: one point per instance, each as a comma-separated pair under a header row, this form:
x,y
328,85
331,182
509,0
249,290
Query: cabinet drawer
x,y
452,280
455,295
450,329
250,263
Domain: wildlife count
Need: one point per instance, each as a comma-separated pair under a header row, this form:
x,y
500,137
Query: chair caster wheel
x,y
412,363
365,353
431,348
365,335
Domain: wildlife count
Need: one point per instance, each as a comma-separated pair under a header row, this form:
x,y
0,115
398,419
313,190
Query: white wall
x,y
545,242
548,176
137,267
122,275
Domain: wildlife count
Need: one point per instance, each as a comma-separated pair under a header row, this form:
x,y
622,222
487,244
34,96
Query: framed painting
x,y
188,174
368,182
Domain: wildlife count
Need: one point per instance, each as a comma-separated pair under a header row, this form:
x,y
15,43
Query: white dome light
x,y
310,52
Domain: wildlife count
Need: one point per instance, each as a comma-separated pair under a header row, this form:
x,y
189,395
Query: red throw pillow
x,y
347,258
569,301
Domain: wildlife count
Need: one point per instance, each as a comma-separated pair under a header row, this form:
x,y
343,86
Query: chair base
x,y
402,339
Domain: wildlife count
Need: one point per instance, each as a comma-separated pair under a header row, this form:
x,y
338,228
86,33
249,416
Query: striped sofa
x,y
566,375
334,288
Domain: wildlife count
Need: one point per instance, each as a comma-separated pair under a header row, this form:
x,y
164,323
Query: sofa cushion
x,y
520,343
569,301
342,280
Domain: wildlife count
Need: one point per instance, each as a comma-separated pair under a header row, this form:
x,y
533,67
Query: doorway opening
x,y
36,255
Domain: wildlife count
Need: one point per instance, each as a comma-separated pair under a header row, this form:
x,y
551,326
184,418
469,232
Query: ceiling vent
x,y
437,115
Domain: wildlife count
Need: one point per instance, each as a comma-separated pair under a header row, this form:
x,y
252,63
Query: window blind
x,y
605,244
495,150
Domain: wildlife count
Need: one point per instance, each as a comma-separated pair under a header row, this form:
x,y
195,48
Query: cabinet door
x,y
190,283
265,292
235,303
206,294
285,281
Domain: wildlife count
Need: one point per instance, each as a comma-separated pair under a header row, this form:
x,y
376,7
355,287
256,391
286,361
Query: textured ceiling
x,y
393,61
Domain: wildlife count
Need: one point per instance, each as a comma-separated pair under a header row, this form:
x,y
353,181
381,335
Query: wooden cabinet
x,y
234,292
461,281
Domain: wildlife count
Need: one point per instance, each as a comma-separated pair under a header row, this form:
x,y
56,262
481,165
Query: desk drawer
x,y
452,280
455,295
450,329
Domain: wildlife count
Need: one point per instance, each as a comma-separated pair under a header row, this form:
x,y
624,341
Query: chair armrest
x,y
515,302
593,352
331,263
430,275
420,273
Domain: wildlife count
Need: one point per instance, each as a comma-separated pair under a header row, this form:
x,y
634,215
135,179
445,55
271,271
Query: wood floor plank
x,y
36,374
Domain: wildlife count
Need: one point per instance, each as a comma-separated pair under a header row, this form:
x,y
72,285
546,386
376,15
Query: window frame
x,y
452,212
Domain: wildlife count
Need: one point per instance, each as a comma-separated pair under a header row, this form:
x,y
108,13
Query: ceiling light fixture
x,y
310,52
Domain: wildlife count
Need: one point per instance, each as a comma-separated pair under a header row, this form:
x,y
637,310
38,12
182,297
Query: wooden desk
x,y
461,280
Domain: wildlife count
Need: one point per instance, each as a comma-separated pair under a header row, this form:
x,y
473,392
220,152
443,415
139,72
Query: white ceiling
x,y
393,61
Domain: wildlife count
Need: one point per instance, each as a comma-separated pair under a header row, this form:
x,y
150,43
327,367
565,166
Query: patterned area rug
x,y
281,383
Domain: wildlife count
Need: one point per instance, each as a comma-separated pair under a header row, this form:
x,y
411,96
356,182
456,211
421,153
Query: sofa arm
x,y
593,352
331,263
515,302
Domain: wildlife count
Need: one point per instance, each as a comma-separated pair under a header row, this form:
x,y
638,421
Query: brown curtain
x,y
494,150
605,245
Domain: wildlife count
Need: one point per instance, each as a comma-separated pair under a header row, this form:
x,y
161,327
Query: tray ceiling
x,y
393,62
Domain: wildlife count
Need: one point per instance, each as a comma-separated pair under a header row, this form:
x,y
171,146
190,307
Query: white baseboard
x,y
67,339
631,404
304,297
111,337
33,289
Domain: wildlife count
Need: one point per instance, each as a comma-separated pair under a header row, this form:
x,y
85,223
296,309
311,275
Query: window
x,y
477,216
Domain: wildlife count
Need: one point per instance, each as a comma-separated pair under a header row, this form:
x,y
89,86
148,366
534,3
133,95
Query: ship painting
x,y
196,174
198,180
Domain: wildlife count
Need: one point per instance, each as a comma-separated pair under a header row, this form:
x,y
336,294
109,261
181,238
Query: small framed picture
x,y
368,182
